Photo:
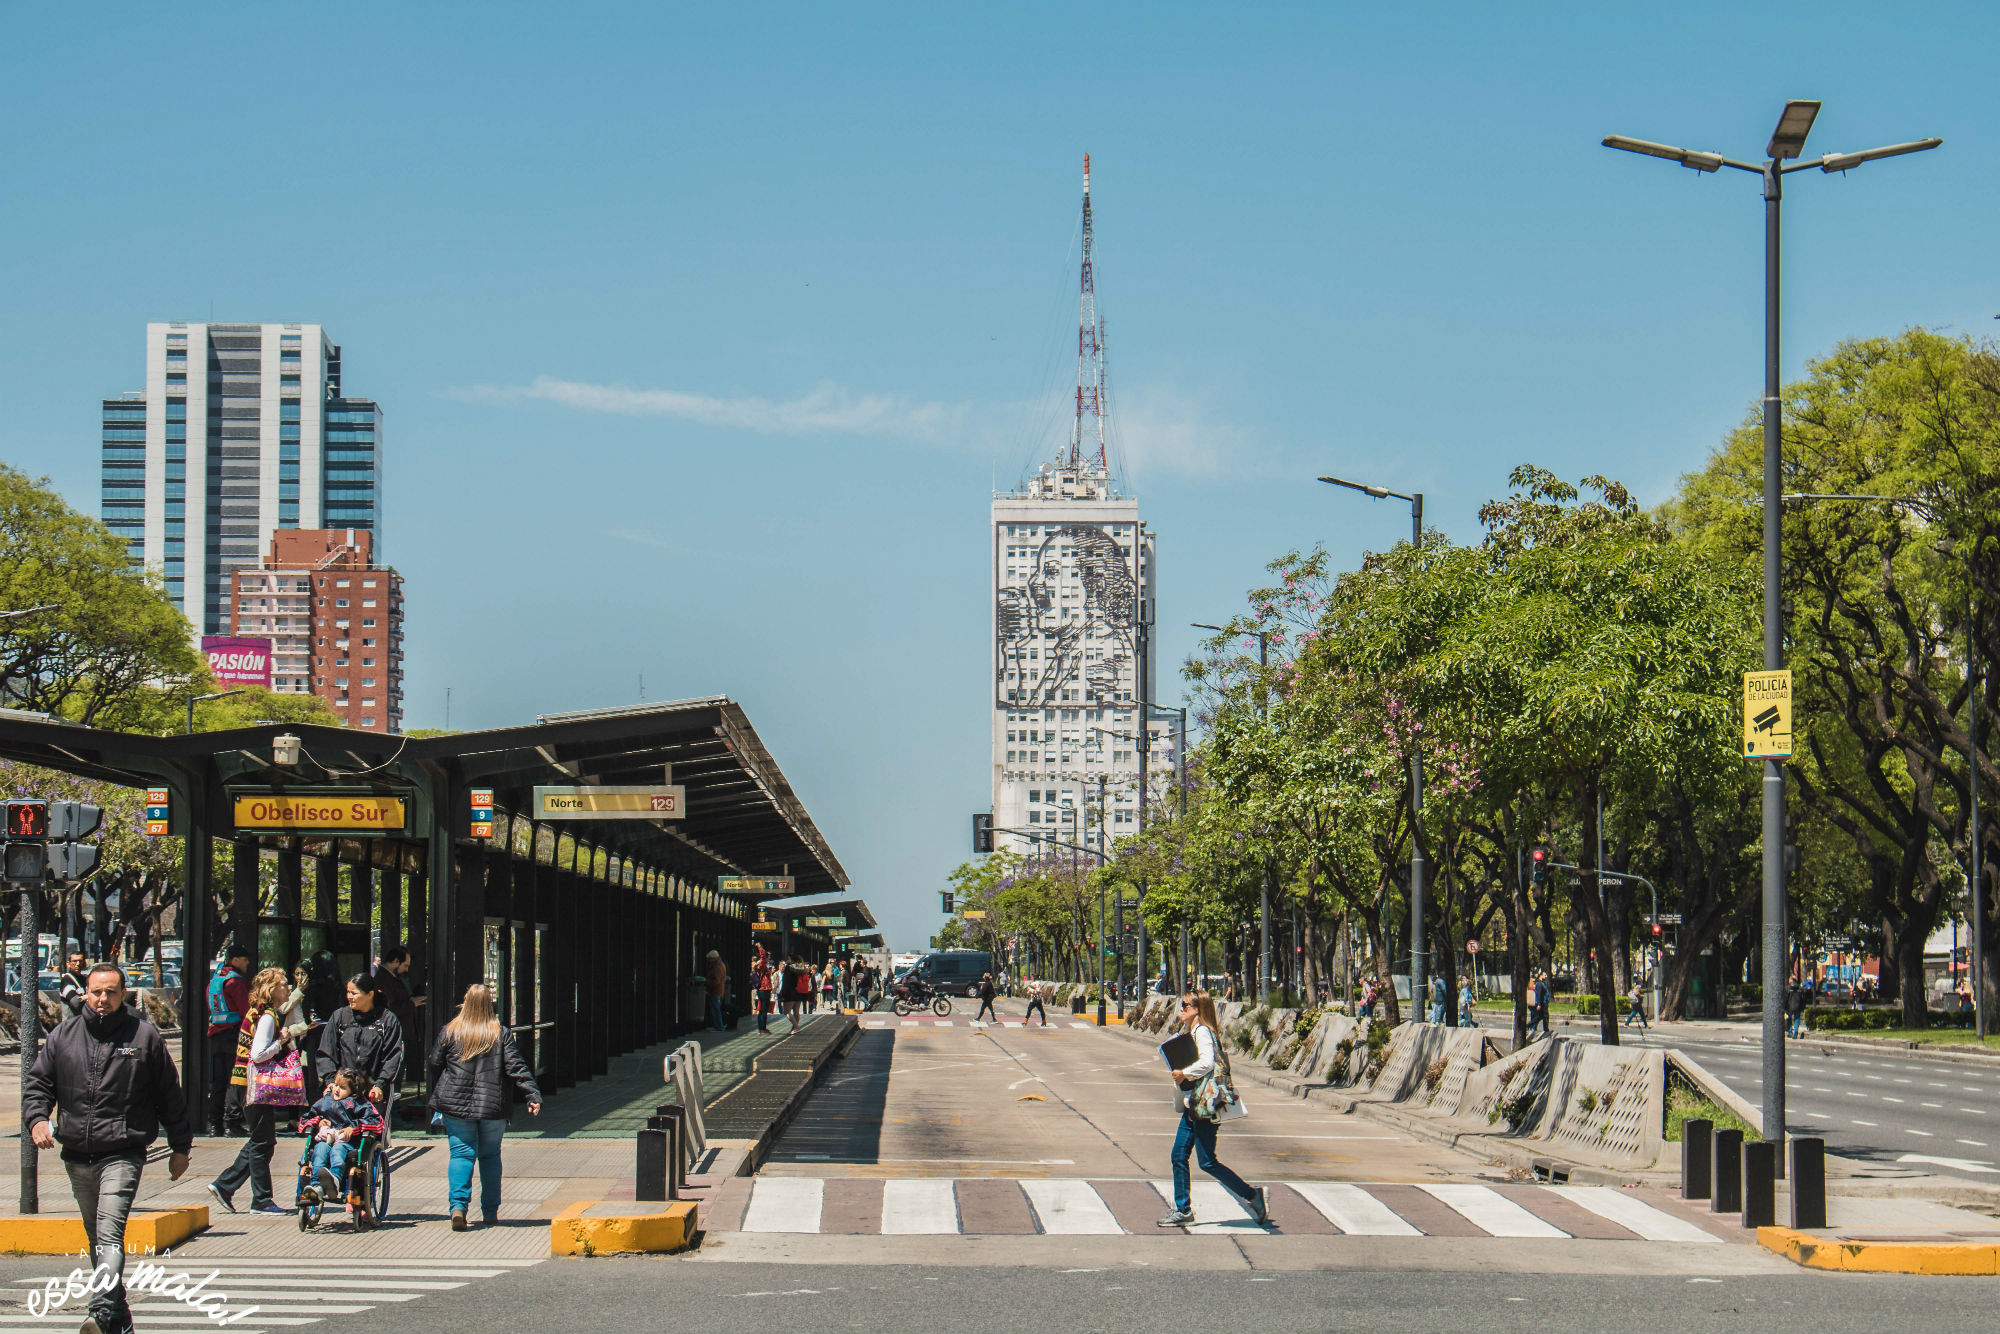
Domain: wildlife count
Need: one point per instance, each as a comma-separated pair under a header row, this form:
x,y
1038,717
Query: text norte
x,y
319,813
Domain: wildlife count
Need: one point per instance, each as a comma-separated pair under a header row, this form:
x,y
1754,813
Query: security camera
x,y
285,749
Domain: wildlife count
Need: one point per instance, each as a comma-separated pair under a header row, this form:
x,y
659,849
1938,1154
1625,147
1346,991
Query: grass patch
x,y
1957,1036
1684,1104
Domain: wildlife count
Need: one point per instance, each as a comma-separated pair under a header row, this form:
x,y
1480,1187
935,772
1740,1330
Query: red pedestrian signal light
x,y
1538,859
27,819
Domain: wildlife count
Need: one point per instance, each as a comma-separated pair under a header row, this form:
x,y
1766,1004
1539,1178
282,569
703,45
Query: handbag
x,y
1215,1098
278,1083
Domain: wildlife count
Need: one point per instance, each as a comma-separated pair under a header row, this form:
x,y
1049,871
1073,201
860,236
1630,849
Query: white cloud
x,y
827,408
1161,431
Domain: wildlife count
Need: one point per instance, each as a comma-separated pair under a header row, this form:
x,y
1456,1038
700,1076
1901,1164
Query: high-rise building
x,y
240,431
1073,580
335,621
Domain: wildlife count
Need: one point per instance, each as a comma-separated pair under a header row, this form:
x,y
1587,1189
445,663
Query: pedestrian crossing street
x,y
266,1294
1073,1207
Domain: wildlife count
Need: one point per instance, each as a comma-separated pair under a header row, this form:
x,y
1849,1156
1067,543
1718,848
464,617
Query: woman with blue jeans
x,y
1197,1135
475,1071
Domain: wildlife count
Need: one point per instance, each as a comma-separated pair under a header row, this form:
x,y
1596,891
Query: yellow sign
x,y
610,803
328,814
975,914
1767,715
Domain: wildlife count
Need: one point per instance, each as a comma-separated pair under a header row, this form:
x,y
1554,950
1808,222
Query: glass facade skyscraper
x,y
257,410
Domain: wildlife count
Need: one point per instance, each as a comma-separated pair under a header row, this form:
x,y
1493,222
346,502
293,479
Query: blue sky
x,y
704,333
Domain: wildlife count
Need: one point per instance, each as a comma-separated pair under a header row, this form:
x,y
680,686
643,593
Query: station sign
x,y
826,921
159,810
482,812
763,924
320,814
754,884
610,803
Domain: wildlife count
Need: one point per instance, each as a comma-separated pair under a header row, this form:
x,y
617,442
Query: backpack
x,y
218,1008
805,986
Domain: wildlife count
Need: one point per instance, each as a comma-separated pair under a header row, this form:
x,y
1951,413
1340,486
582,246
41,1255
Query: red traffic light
x,y
1656,930
1539,855
27,819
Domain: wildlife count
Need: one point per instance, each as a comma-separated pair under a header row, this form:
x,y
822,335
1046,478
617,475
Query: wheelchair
x,y
363,1191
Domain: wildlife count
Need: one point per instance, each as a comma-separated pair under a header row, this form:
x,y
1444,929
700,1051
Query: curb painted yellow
x,y
1882,1257
671,1229
54,1234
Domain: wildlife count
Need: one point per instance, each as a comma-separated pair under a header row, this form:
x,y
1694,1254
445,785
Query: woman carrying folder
x,y
1197,1133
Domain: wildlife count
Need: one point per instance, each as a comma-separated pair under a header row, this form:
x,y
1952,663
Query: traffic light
x,y
27,819
1538,860
26,863
950,901
72,861
1656,931
69,821
982,831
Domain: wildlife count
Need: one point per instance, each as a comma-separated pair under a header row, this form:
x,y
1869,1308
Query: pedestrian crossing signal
x,y
982,831
27,819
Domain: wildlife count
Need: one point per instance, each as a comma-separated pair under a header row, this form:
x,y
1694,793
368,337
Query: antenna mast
x,y
1089,350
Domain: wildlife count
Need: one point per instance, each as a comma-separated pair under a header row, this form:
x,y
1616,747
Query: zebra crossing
x,y
1053,1206
262,1294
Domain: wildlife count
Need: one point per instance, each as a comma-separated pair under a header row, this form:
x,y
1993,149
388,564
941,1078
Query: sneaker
x,y
270,1207
225,1198
458,1220
1260,1211
1178,1218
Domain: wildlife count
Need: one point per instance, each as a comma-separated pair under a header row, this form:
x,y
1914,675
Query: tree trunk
x,y
1599,923
1910,968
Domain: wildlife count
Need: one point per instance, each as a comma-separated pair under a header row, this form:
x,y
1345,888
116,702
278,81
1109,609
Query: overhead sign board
x,y
975,914
763,924
826,921
610,803
320,814
482,812
1767,715
754,884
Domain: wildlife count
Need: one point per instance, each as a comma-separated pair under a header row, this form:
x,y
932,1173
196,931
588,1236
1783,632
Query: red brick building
x,y
334,619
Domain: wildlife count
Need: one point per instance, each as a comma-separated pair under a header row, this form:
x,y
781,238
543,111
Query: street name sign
x,y
1767,715
826,921
610,803
329,814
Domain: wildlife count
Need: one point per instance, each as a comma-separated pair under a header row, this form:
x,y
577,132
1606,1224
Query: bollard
x,y
672,1117
1760,1183
1697,1147
655,1148
1808,1183
1726,1178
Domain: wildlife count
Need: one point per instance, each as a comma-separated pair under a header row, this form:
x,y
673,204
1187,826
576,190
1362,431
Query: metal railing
x,y
683,1072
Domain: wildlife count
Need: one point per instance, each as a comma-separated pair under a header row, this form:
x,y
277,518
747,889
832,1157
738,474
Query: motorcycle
x,y
915,997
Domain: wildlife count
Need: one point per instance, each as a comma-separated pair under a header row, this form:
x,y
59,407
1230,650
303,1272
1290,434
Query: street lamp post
x,y
1788,141
203,699
1419,937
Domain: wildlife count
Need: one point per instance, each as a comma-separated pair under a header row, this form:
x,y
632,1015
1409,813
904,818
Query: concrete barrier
x,y
592,1227
59,1234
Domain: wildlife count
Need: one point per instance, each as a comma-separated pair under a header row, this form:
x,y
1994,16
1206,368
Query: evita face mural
x,y
1065,635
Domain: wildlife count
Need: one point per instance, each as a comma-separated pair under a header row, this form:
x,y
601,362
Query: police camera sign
x,y
235,660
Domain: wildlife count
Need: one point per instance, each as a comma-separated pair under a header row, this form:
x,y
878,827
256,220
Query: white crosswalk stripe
x,y
263,1293
1062,1206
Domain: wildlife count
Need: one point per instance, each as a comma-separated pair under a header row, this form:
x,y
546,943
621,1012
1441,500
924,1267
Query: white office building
x,y
240,431
1073,580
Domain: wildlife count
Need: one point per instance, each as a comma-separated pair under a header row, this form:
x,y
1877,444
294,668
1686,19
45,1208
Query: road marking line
x,y
1069,1208
1488,1209
1353,1210
1887,1098
919,1205
1215,1209
1937,1105
1862,1123
785,1204
1925,1133
1074,1024
910,1023
1975,1143
1634,1215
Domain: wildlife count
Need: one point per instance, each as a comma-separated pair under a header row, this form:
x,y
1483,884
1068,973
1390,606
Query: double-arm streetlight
x,y
1419,937
1788,141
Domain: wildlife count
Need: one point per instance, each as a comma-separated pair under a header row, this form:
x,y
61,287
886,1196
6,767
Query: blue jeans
x,y
334,1158
715,1012
1199,1137
475,1141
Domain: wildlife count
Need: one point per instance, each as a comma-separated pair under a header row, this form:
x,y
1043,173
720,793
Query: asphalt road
x,y
671,1294
1876,1107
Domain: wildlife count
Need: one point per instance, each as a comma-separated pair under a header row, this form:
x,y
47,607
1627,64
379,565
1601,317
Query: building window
x,y
340,602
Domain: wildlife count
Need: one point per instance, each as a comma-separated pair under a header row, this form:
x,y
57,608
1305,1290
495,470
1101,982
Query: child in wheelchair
x,y
344,1126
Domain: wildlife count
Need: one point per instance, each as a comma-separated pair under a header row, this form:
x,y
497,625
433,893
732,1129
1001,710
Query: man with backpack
x,y
986,995
228,1001
798,989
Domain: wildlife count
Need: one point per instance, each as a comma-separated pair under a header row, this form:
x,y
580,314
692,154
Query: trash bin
x,y
1076,1003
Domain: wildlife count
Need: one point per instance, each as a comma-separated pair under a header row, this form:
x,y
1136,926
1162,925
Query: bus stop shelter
x,y
591,931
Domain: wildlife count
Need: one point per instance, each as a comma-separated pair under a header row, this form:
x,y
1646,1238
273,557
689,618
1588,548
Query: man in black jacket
x,y
106,1076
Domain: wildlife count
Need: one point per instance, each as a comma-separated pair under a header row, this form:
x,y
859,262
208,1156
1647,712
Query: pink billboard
x,y
238,661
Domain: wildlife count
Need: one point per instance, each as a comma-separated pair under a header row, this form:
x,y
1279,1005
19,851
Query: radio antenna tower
x,y
1089,352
